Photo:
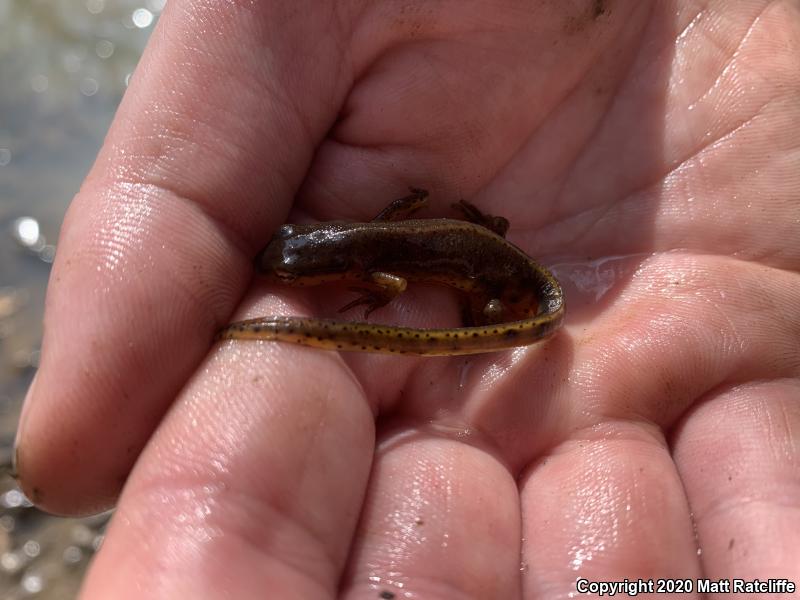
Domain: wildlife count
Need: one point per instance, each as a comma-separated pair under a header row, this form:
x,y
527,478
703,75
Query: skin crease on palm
x,y
657,435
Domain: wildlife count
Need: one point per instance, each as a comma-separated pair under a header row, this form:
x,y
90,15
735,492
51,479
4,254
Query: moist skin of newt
x,y
509,299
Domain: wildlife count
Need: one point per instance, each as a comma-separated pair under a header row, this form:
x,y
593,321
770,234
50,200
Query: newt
x,y
509,299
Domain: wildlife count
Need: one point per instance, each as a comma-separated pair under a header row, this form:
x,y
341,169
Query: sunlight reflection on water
x,y
64,66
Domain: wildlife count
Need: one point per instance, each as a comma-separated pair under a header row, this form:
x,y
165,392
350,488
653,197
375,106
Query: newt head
x,y
303,255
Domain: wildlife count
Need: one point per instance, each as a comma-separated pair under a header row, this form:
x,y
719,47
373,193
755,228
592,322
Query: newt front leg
x,y
387,288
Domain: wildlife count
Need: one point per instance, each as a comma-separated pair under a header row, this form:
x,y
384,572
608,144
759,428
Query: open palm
x,y
645,150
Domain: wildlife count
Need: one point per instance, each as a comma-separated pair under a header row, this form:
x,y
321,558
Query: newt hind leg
x,y
481,309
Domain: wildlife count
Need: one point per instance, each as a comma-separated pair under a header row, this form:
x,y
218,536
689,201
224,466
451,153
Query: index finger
x,y
155,250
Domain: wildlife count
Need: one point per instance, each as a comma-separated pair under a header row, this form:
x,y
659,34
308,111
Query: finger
x,y
645,359
441,520
606,505
739,457
252,484
156,247
684,326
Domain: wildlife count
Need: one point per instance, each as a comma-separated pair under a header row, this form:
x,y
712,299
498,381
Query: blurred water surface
x,y
64,66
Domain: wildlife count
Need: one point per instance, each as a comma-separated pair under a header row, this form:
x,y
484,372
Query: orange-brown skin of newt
x,y
500,282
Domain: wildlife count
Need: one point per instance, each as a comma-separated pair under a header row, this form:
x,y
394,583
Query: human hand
x,y
662,419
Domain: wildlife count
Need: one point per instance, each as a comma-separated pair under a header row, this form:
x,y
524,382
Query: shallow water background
x,y
64,66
